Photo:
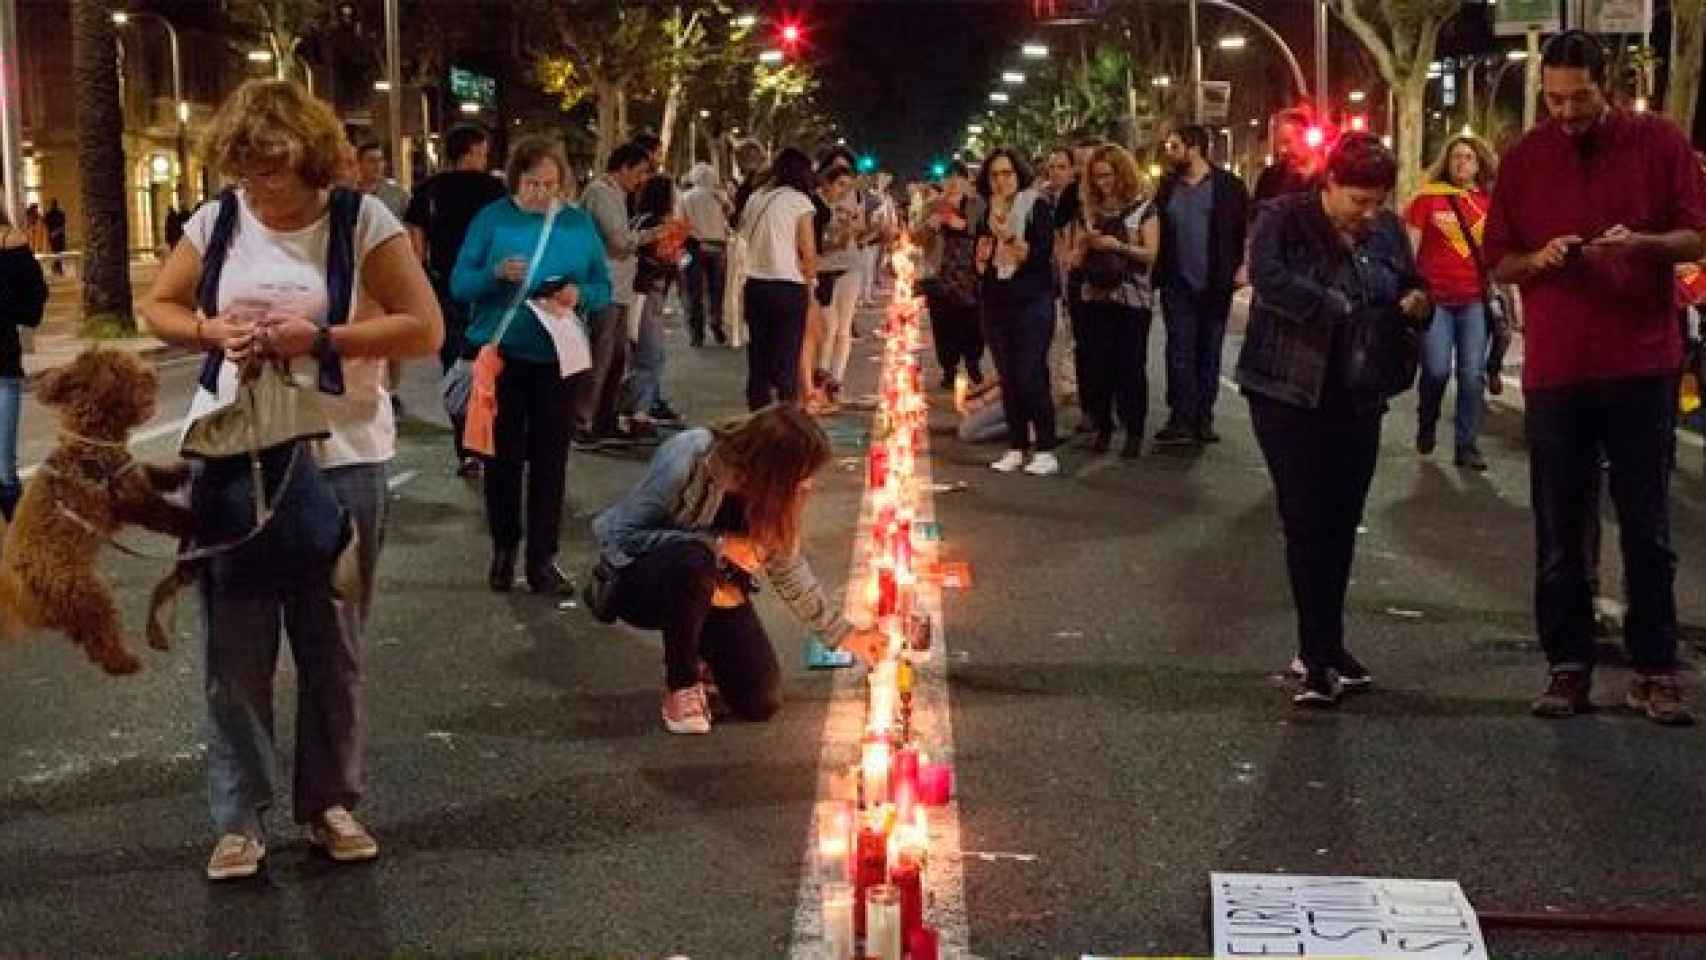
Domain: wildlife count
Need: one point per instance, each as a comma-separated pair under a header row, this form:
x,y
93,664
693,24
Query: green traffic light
x,y
938,170
867,163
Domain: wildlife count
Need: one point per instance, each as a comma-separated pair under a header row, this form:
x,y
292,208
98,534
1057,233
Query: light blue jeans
x,y
1457,334
11,404
242,629
645,358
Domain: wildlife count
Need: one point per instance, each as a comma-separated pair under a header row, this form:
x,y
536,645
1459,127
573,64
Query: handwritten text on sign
x,y
1269,915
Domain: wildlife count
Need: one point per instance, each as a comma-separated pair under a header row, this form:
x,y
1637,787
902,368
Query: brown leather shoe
x,y
343,837
1567,694
1659,696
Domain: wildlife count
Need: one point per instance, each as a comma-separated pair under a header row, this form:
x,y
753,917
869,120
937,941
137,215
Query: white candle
x,y
838,921
835,839
876,765
882,922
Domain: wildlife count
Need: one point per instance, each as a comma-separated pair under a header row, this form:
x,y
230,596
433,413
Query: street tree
x,y
595,50
1687,50
100,165
283,26
1401,36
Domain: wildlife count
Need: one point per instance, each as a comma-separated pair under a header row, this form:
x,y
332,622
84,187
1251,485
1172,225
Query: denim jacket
x,y
1307,285
677,502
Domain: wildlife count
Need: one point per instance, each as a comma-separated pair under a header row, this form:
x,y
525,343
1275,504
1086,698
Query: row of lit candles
x,y
873,835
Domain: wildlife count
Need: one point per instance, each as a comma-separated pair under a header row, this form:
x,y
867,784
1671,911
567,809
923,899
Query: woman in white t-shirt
x,y
283,147
781,255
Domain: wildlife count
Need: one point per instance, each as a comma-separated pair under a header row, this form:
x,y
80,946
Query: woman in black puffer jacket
x,y
1322,263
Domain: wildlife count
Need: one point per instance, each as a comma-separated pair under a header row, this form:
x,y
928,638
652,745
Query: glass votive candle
x,y
838,936
882,922
835,839
874,764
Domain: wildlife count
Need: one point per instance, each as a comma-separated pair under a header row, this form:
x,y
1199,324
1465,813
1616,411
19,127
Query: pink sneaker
x,y
686,711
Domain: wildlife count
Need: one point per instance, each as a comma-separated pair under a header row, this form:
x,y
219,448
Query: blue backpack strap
x,y
212,264
340,279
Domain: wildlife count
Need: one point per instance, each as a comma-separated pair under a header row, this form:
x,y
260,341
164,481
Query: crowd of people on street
x,y
544,301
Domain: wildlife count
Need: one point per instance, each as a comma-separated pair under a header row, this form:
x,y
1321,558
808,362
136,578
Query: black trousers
x,y
959,338
1633,422
1114,344
535,420
703,285
669,589
1019,336
455,341
776,319
1322,464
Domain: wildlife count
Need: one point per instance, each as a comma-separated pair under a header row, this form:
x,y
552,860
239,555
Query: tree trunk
x,y
1687,43
100,164
621,113
671,116
1411,133
604,92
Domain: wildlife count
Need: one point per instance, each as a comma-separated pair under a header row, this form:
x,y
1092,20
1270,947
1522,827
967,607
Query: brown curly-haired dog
x,y
87,488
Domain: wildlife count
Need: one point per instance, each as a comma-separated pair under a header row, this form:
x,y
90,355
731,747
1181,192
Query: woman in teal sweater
x,y
535,399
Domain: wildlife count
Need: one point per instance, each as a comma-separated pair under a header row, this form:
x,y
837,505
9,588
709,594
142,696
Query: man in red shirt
x,y
1593,210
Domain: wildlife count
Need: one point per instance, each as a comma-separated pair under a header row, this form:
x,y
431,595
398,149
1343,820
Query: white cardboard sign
x,y
1278,915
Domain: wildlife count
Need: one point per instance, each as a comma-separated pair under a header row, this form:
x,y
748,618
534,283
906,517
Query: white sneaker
x,y
686,711
1043,465
1009,462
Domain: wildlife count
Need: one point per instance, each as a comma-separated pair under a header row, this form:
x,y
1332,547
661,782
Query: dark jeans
x,y
704,280
534,424
1114,341
1632,421
669,589
455,341
1019,336
776,320
1322,464
959,338
1196,332
600,388
1075,316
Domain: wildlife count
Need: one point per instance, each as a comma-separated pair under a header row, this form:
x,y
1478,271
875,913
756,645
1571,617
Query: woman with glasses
x,y
1015,257
502,261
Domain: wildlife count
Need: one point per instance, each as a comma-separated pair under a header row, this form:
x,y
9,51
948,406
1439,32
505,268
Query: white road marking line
x,y
945,894
401,478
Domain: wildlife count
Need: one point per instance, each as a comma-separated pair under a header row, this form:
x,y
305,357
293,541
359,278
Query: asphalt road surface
x,y
1120,733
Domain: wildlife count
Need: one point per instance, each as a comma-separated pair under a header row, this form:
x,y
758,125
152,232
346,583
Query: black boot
x,y
9,495
502,574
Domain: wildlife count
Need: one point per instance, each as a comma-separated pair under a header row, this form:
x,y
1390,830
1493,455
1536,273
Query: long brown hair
x,y
1486,161
767,457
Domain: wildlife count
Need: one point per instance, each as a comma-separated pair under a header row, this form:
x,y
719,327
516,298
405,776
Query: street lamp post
x,y
394,96
1273,35
11,125
180,108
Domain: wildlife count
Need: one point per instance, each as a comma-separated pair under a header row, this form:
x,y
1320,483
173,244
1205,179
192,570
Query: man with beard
x,y
1204,213
1293,169
1594,209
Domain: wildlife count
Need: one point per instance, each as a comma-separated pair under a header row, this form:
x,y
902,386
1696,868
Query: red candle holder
x,y
923,943
908,875
935,784
872,869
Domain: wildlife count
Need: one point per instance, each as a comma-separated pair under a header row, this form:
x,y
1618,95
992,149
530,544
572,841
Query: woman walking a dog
x,y
270,246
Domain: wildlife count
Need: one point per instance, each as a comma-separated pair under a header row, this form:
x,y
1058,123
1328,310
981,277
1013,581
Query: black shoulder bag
x,y
1383,350
1498,310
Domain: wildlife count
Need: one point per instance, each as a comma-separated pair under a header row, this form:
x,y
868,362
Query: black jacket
x,y
23,296
1307,285
1034,280
1228,223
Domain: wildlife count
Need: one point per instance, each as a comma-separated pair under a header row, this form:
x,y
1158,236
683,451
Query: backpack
x,y
340,278
306,526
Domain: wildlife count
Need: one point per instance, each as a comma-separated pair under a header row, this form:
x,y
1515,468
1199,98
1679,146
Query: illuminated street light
x,y
1161,81
469,106
999,97
1517,55
1234,42
770,56
975,129
746,21
383,86
704,114
1035,51
1012,76
120,18
1358,96
260,56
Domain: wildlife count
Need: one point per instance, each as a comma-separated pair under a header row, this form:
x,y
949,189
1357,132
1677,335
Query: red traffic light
x,y
1314,137
792,33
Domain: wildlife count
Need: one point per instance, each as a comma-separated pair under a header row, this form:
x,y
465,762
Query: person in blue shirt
x,y
494,272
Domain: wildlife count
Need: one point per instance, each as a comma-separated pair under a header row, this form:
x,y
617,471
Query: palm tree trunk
x,y
100,164
1688,38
